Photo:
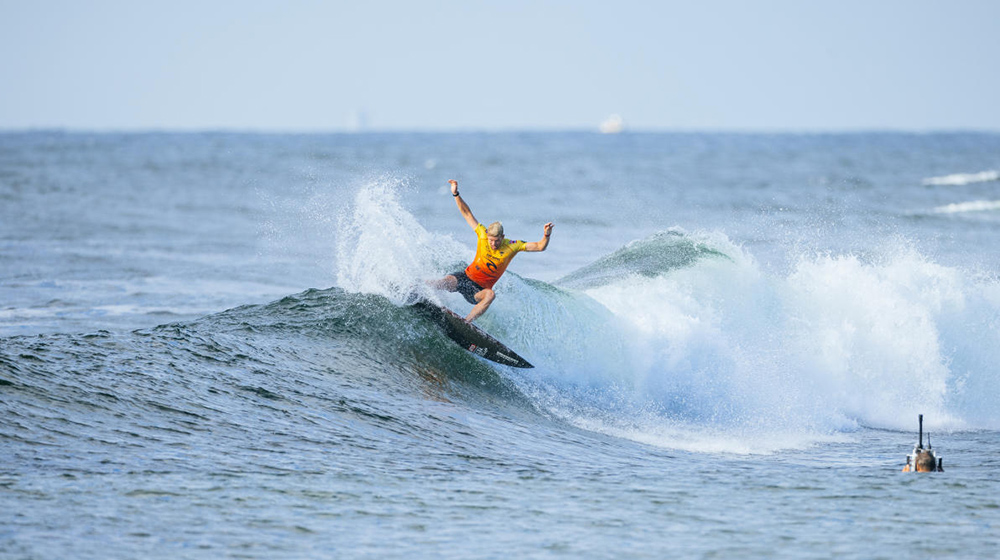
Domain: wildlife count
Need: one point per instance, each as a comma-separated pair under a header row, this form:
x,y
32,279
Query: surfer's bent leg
x,y
483,299
448,283
465,286
459,282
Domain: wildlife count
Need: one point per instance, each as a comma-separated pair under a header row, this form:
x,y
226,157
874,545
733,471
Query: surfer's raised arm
x,y
537,246
493,253
462,206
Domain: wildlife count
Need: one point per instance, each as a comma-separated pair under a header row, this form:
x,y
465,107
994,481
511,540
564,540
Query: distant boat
x,y
612,125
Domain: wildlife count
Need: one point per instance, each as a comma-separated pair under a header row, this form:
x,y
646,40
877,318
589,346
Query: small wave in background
x,y
959,179
972,206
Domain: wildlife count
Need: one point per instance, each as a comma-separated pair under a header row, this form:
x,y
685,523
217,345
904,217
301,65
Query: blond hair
x,y
925,462
495,230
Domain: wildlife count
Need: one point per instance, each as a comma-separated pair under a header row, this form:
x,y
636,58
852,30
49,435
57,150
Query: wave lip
x,y
654,256
959,179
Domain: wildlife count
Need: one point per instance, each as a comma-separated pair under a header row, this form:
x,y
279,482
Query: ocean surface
x,y
205,352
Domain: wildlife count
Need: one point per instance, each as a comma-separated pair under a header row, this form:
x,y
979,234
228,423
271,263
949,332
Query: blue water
x,y
204,347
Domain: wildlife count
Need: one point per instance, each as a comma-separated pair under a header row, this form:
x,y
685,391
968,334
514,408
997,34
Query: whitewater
x,y
205,347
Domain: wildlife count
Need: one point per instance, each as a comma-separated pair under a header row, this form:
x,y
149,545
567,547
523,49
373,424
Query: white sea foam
x,y
383,249
959,179
723,357
972,206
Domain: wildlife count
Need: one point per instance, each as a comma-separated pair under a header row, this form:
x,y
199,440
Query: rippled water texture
x,y
205,350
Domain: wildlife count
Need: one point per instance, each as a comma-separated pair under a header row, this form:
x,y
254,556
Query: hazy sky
x,y
290,65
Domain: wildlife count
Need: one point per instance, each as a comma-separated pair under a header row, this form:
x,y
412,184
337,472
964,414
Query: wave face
x,y
319,369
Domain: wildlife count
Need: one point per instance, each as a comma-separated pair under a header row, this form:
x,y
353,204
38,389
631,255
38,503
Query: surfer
x,y
493,253
923,459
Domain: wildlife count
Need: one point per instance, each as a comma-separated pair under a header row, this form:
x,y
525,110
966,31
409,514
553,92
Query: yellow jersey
x,y
489,265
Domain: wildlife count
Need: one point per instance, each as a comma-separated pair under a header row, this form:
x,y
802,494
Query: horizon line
x,y
263,131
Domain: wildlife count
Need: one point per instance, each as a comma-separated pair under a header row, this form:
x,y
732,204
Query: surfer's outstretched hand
x,y
454,187
547,229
